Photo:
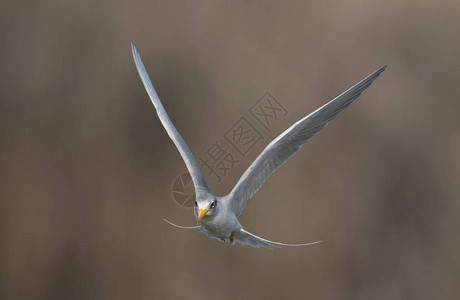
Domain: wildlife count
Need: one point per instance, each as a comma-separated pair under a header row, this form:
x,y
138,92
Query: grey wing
x,y
289,142
187,156
244,237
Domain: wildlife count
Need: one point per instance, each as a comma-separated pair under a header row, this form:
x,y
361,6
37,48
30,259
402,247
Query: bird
x,y
218,216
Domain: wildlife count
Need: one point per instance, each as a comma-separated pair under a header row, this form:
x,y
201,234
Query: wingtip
x,y
133,49
381,69
371,77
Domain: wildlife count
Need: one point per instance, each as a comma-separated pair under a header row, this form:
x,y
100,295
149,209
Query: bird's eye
x,y
213,204
196,204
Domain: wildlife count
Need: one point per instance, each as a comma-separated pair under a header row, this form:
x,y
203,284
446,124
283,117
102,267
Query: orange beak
x,y
202,213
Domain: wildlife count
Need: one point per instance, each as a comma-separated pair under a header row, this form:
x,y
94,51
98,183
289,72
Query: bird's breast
x,y
221,225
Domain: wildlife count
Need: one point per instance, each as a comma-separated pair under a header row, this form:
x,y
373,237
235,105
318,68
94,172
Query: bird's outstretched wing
x,y
187,156
289,142
246,238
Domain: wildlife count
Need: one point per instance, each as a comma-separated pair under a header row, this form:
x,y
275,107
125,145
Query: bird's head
x,y
205,207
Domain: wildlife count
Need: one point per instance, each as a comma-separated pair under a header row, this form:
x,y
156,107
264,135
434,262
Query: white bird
x,y
218,216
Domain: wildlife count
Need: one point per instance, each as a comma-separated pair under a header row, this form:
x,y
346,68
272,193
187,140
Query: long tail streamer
x,y
278,243
183,227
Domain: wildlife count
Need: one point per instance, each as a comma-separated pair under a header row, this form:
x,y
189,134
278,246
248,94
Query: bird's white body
x,y
222,224
218,216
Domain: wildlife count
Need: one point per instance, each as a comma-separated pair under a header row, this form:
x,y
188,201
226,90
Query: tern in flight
x,y
218,216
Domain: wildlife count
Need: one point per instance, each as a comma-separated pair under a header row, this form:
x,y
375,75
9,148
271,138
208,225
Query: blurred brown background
x,y
86,167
